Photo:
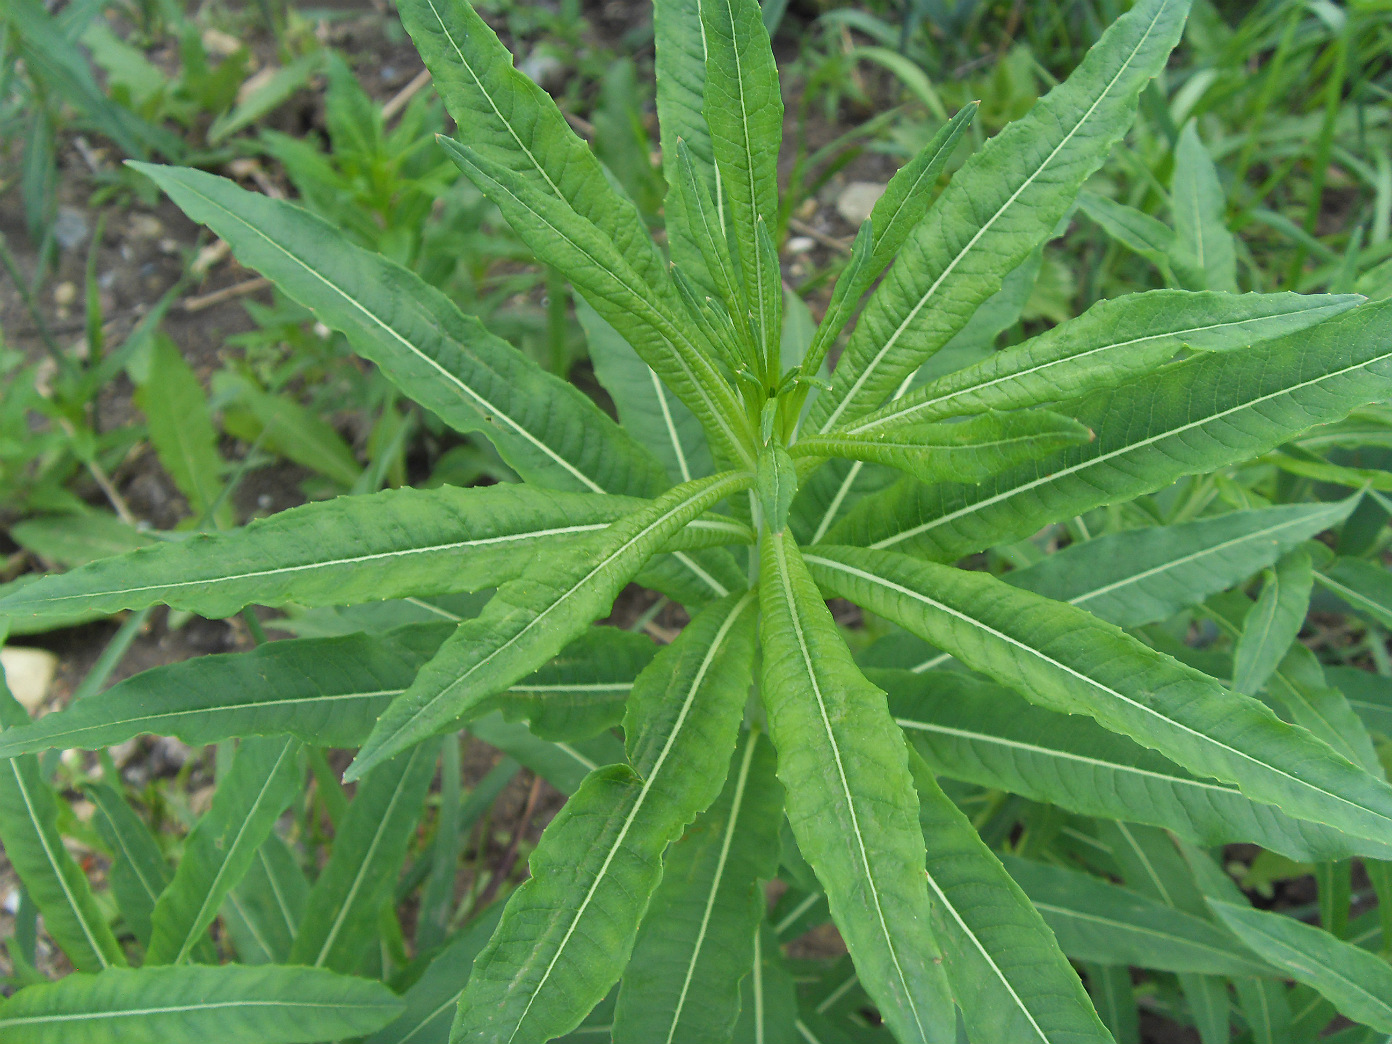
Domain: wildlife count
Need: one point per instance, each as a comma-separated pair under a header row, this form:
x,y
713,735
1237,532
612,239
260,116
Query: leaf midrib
x,y
644,790
952,265
785,584
729,480
736,804
662,325
57,870
483,404
34,1020
191,938
986,955
1083,465
886,419
1080,676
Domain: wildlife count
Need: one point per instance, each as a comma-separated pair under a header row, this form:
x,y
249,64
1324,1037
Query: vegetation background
x,y
149,384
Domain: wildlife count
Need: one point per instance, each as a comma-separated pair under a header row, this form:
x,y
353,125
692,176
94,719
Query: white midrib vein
x,y
1297,959
643,307
986,956
328,563
716,642
53,739
1184,560
882,419
1015,643
754,216
864,375
819,444
1127,926
175,1009
785,582
713,492
1265,612
834,508
1145,574
1157,881
481,404
1353,597
661,395
194,929
366,862
1083,465
282,904
736,804
57,870
1064,755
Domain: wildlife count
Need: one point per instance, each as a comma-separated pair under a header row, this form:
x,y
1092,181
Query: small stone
x,y
29,673
545,69
145,226
857,200
801,244
220,43
70,227
64,294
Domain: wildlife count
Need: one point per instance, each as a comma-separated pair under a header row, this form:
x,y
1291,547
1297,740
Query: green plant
x,y
756,745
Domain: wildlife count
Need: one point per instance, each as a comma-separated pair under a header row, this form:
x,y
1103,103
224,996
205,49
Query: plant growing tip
x,y
723,488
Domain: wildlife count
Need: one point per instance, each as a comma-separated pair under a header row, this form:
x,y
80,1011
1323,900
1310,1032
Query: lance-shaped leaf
x,y
567,933
682,984
393,544
970,450
704,230
1139,576
1365,586
831,491
1299,686
264,911
970,729
138,871
1095,920
1204,253
894,216
743,107
545,428
768,995
33,846
1369,694
680,70
647,408
1008,974
1273,622
325,691
1357,982
263,779
650,318
850,797
181,430
1067,660
532,618
1003,203
431,1000
563,764
1134,229
584,690
173,1005
340,918
1112,342
1189,417
499,110
1152,865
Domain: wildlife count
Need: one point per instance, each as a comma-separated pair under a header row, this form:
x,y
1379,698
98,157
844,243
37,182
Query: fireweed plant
x,y
750,482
